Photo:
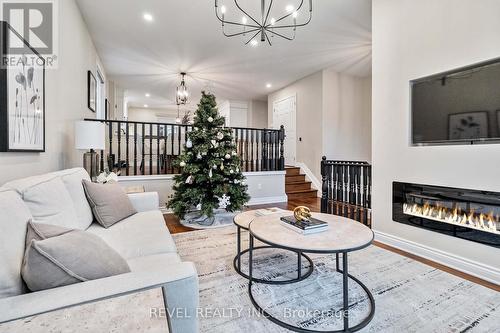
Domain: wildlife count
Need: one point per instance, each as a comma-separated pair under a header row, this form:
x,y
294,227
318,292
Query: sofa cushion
x,y
69,256
47,199
14,215
72,179
149,263
139,235
109,202
39,231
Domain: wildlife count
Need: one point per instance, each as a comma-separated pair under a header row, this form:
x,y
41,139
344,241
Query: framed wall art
x,y
22,96
91,91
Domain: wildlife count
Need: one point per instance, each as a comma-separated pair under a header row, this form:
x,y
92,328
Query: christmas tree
x,y
211,175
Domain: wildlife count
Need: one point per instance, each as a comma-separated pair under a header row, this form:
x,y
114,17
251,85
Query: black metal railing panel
x,y
150,148
346,189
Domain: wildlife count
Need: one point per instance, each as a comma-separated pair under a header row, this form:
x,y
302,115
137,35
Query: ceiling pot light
x,y
266,26
146,106
269,85
148,17
148,95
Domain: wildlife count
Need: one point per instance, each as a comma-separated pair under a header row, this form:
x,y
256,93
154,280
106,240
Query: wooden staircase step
x,y
294,178
290,171
294,195
297,186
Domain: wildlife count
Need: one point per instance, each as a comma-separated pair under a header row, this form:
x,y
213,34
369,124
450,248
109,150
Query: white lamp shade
x,y
89,135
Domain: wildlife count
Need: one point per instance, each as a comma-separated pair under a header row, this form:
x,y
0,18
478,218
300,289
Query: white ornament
x,y
210,173
222,166
227,156
199,156
210,119
236,181
195,128
224,201
237,169
189,143
231,171
220,136
182,164
214,167
189,180
233,153
204,153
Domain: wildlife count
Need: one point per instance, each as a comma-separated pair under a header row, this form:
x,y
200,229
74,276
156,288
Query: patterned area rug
x,y
409,296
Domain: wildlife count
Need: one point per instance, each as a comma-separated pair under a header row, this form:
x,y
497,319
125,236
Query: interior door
x,y
284,113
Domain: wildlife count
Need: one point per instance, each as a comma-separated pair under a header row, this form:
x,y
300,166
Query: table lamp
x,y
90,135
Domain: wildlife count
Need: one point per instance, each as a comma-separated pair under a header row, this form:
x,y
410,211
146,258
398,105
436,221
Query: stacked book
x,y
310,226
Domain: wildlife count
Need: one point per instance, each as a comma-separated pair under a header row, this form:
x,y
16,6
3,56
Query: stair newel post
x,y
324,186
282,147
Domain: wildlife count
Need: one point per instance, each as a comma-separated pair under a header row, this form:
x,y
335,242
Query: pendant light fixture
x,y
182,95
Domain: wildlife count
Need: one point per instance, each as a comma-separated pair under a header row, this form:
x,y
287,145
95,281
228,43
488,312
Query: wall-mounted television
x,y
460,106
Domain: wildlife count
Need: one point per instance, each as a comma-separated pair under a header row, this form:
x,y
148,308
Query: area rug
x,y
409,296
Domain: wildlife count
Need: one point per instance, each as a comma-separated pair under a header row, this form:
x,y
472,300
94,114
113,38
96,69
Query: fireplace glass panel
x,y
468,214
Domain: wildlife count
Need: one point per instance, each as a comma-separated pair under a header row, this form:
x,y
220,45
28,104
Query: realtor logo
x,y
35,21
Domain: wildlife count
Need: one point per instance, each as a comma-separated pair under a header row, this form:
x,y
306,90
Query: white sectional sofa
x,y
142,239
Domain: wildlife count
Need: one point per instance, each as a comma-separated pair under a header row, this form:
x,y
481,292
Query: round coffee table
x,y
342,236
242,221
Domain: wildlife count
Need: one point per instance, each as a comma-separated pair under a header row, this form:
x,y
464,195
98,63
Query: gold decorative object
x,y
302,213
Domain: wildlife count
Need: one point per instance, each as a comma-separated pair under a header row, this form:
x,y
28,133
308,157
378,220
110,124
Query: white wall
x,y
257,114
152,115
346,116
333,117
412,39
65,98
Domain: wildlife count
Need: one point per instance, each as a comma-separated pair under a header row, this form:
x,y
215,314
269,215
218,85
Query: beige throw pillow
x,y
109,202
57,256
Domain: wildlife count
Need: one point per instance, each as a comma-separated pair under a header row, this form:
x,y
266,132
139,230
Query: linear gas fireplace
x,y
468,214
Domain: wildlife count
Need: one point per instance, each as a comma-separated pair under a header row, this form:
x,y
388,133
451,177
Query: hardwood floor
x,y
174,226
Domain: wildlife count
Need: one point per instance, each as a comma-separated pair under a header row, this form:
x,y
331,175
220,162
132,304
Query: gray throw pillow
x,y
57,256
109,202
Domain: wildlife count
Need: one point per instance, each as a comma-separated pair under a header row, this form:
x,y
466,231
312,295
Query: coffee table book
x,y
310,226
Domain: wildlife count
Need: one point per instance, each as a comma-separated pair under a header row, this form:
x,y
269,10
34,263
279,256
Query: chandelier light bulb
x,y
295,14
177,120
254,42
223,9
244,20
289,8
273,21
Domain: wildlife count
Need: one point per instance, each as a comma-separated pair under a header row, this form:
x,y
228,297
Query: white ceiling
x,y
186,36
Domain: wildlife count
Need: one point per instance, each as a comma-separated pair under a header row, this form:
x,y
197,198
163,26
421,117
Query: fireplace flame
x,y
471,219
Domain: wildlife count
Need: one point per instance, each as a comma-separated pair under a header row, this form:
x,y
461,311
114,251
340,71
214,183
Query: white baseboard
x,y
479,270
267,200
309,175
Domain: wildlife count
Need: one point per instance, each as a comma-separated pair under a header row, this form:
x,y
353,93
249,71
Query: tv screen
x,y
458,106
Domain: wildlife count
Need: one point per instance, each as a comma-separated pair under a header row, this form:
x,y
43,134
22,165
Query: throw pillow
x,y
57,256
109,202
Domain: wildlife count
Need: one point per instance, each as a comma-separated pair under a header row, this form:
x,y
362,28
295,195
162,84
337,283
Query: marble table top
x,y
343,235
244,219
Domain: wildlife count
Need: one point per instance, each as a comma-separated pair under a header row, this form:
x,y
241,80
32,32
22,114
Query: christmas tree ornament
x,y
222,166
204,153
199,156
210,119
210,173
189,143
220,136
224,201
233,153
195,128
237,170
182,164
227,156
231,171
189,180
214,167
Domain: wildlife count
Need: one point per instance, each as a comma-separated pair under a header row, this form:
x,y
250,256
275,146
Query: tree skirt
x,y
221,219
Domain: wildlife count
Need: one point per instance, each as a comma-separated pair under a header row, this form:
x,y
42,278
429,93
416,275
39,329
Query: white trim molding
x,y
309,175
267,200
485,272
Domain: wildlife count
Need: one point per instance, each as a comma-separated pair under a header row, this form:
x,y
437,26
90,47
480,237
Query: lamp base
x,y
91,164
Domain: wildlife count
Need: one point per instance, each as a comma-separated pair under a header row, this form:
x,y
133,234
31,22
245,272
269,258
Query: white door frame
x,y
293,117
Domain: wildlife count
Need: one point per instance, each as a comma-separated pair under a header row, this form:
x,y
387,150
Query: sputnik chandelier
x,y
265,27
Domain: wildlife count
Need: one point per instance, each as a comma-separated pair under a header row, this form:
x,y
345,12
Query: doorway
x,y
284,113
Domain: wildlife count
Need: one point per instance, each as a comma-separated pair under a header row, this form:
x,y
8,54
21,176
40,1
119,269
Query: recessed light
x,y
268,85
148,17
254,42
289,8
146,106
148,95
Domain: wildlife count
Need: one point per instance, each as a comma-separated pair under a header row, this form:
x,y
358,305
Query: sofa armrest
x,y
144,202
30,304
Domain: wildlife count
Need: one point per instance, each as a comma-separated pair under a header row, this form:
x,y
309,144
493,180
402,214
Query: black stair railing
x,y
149,148
346,189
